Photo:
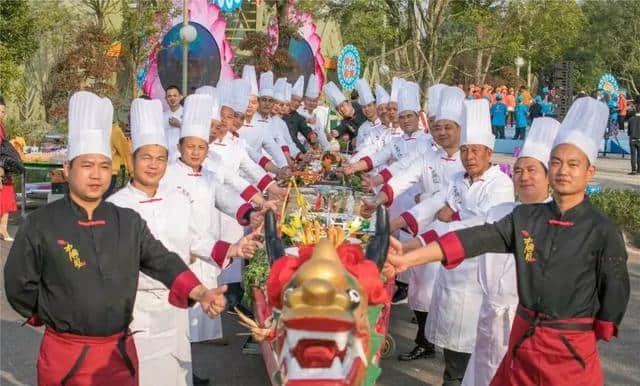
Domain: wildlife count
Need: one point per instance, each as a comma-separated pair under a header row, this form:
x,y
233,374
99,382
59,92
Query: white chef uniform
x,y
172,133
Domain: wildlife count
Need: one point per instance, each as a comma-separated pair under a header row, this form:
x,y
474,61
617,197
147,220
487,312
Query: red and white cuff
x,y
285,149
263,162
412,224
249,192
264,182
455,216
219,253
242,212
386,175
181,287
452,249
368,161
429,236
388,190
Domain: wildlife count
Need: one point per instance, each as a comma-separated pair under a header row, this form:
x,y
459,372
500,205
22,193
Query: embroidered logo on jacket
x,y
529,246
74,255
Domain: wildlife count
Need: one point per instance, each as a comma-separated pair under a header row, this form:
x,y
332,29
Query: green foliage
x,y
255,274
623,207
18,41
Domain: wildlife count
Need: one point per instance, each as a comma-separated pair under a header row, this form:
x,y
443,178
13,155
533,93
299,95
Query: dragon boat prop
x,y
322,317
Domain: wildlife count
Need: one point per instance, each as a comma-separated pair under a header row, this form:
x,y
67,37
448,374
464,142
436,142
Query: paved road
x,y
225,365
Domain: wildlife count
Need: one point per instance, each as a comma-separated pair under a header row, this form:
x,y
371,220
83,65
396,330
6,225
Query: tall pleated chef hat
x,y
334,94
213,93
396,85
540,137
365,96
298,87
288,92
409,97
196,119
433,95
313,87
146,123
249,74
477,124
382,96
90,120
584,126
451,104
266,84
280,90
240,90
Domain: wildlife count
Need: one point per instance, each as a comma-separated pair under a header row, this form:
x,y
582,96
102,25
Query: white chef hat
x,y
313,87
396,85
477,124
584,126
540,138
334,94
365,96
196,119
288,92
382,96
409,97
433,95
90,120
146,123
280,90
249,74
266,84
298,87
213,93
240,90
451,104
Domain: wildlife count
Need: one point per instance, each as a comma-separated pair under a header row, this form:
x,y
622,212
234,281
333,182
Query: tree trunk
x,y
477,75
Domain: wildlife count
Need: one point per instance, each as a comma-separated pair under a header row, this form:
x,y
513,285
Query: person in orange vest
x,y
622,109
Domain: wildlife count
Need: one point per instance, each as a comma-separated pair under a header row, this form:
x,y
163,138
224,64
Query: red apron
x,y
76,360
543,351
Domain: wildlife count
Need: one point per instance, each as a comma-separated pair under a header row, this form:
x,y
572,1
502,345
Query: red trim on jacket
x,y
452,250
285,148
561,223
605,330
150,200
219,252
242,211
388,190
411,222
368,161
264,182
386,175
455,216
429,236
249,192
181,287
263,161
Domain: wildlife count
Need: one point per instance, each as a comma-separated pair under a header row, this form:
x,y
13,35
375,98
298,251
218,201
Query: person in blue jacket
x,y
612,103
498,117
521,112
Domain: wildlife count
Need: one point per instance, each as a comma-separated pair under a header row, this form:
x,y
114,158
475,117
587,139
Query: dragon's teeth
x,y
341,340
357,345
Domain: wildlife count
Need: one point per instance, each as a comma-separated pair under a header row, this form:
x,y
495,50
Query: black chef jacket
x,y
80,276
350,126
571,265
296,123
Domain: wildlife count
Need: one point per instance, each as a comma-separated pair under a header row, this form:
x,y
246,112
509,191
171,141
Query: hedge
x,y
623,207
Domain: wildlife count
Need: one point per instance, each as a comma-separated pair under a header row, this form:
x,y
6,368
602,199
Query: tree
x,y
100,9
17,41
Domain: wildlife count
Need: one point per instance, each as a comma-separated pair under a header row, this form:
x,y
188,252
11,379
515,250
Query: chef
x,y
299,131
208,193
278,128
352,116
256,133
317,116
564,307
75,264
497,271
162,338
371,130
172,119
434,172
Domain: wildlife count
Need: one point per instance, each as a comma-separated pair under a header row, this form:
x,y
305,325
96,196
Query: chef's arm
x,y
613,286
22,273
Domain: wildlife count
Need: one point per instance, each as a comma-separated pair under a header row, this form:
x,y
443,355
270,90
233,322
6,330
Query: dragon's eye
x,y
287,292
354,297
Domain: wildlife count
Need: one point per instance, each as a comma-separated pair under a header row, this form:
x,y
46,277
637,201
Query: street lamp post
x,y
519,62
187,35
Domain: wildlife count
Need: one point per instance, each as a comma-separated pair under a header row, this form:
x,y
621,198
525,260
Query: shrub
x,y
623,207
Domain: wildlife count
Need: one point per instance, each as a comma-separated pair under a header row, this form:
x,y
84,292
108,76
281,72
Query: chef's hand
x,y
246,247
311,120
393,265
212,300
277,192
174,122
256,218
368,207
348,169
283,173
397,223
445,214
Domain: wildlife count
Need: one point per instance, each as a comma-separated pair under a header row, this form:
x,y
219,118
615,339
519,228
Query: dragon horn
x,y
272,242
378,245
